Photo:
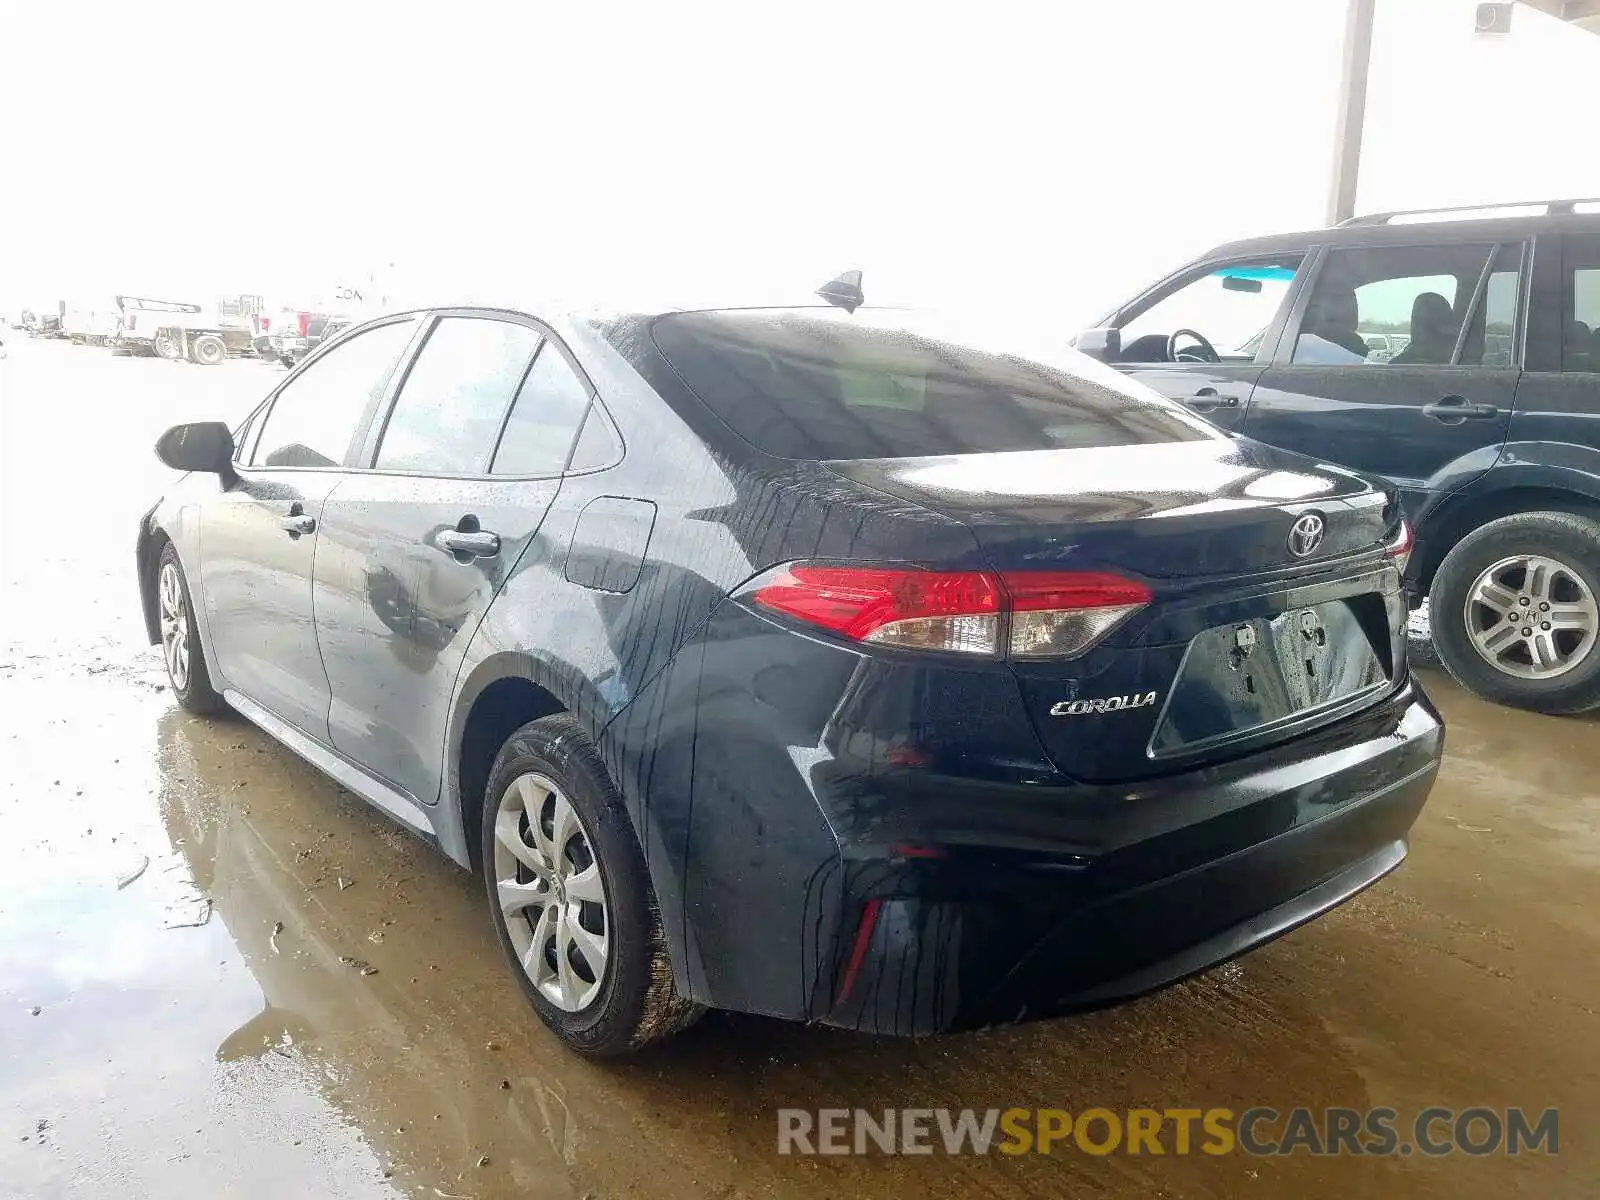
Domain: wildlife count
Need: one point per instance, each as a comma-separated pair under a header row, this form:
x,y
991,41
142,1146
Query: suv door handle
x,y
469,543
297,522
1207,399
1452,410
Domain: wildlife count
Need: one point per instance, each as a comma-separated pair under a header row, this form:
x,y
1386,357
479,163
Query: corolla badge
x,y
1305,535
1103,704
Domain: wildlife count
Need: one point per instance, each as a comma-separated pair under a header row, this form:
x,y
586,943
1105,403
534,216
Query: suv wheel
x,y
570,896
168,346
1516,612
180,640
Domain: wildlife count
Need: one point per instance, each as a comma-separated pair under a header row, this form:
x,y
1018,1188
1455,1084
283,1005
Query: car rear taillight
x,y
304,320
133,320
1399,546
1021,614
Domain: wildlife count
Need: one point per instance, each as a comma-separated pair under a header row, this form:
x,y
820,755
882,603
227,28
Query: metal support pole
x,y
1352,110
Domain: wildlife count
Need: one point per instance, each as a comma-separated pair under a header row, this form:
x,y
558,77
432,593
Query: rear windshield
x,y
823,384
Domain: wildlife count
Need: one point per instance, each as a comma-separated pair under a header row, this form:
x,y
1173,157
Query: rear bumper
x,y
939,938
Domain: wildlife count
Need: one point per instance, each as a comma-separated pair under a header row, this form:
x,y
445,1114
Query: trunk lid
x,y
1245,642
1179,510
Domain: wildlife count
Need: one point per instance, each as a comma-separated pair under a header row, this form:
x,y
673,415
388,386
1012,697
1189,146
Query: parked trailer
x,y
89,324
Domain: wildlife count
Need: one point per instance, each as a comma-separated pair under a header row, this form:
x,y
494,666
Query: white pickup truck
x,y
176,330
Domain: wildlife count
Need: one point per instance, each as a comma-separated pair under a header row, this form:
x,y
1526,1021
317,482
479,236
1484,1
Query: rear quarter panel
x,y
723,513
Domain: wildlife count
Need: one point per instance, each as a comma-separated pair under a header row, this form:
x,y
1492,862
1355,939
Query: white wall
x,y
1456,117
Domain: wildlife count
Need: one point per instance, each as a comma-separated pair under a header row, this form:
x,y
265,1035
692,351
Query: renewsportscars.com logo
x,y
1432,1132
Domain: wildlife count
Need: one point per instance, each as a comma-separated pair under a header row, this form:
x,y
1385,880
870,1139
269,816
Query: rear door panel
x,y
1387,416
395,609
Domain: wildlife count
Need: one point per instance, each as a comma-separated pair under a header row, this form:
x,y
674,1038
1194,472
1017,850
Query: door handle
x,y
1207,398
1452,410
297,522
469,543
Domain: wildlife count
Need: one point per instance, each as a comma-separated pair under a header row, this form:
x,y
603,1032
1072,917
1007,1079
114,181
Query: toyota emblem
x,y
1305,535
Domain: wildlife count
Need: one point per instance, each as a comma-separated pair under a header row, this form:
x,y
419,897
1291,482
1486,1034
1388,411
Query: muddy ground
x,y
185,909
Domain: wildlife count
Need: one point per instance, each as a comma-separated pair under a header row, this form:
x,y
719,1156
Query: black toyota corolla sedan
x,y
830,663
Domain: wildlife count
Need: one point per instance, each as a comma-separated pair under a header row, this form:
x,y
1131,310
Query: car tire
x,y
208,350
185,658
167,346
1520,563
631,1000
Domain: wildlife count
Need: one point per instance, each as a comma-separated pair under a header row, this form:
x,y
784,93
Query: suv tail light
x,y
304,320
1399,546
133,320
1016,614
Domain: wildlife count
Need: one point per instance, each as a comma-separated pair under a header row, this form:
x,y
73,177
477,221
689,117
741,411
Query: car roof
x,y
1369,232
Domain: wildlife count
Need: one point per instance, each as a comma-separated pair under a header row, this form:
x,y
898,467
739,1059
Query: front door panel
x,y
1219,392
258,540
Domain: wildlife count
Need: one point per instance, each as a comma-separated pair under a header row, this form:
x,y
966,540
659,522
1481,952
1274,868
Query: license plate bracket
x,y
1241,679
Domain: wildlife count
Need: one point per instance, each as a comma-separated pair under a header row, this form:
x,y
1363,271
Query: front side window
x,y
1230,306
315,414
1397,305
549,407
454,398
1580,269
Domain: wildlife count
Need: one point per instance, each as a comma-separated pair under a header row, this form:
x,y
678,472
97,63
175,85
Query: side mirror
x,y
198,446
1104,344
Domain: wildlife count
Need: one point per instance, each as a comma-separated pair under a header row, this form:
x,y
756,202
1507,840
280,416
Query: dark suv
x,y
825,664
1455,353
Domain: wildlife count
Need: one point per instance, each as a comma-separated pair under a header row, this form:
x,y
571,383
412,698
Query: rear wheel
x,y
207,350
1515,610
168,346
180,640
570,896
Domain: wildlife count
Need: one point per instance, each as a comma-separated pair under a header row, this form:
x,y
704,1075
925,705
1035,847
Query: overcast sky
x,y
1050,155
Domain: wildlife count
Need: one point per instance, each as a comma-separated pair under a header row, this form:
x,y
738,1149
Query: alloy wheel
x,y
551,893
174,626
1531,616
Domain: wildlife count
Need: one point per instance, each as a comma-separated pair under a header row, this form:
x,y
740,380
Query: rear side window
x,y
1580,341
819,384
454,398
1403,305
315,415
550,406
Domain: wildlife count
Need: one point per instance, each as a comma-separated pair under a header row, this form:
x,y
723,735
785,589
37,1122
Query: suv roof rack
x,y
1408,215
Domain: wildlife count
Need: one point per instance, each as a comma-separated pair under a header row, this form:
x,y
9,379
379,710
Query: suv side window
x,y
1231,305
454,398
316,414
549,408
1580,290
1405,305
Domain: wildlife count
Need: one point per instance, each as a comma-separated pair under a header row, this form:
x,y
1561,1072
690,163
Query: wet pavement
x,y
219,974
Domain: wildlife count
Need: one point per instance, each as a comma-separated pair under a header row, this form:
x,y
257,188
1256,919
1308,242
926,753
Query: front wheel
x,y
570,895
168,346
180,639
1515,610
